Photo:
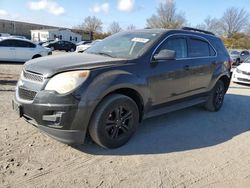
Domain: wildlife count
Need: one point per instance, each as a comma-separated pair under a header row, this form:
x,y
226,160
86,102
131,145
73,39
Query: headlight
x,y
67,81
238,70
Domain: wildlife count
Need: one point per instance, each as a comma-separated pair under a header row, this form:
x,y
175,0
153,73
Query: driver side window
x,y
177,44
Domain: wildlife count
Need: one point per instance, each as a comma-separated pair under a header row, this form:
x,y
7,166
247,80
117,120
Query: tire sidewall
x,y
97,126
218,84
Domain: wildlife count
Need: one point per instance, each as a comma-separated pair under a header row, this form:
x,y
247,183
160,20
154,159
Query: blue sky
x,y
68,13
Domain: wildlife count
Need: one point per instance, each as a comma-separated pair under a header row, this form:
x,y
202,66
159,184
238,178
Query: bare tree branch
x,y
211,24
167,17
114,28
131,27
234,20
90,24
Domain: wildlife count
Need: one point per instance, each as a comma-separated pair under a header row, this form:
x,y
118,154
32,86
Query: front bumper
x,y
241,78
64,118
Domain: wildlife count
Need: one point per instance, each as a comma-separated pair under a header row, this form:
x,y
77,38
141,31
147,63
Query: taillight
x,y
230,61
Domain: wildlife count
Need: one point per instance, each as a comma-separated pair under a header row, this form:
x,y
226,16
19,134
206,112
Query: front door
x,y
169,79
7,51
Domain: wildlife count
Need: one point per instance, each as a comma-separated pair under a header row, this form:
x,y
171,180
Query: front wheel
x,y
114,121
216,97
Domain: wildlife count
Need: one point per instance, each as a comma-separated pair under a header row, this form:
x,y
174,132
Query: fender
x,y
219,72
108,82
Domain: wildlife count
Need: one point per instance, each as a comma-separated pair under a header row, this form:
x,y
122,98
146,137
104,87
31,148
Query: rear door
x,y
7,50
203,57
24,50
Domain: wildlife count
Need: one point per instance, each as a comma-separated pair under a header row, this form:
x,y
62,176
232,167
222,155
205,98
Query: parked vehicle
x,y
43,42
83,42
129,76
242,57
4,35
61,45
16,49
234,54
241,74
83,47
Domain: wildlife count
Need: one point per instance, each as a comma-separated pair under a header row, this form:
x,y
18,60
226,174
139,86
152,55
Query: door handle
x,y
186,67
12,48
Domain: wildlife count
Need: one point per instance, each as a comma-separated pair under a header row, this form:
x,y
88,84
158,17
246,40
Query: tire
x,y
72,49
216,97
237,62
114,121
36,56
52,48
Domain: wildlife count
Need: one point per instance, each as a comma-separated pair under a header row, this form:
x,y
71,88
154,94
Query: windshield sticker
x,y
142,40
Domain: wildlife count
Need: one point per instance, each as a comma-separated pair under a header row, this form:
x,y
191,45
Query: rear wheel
x,y
72,49
52,48
36,56
237,62
216,97
114,122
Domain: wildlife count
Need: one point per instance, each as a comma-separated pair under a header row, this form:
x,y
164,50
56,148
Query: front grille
x,y
32,76
243,79
26,94
246,73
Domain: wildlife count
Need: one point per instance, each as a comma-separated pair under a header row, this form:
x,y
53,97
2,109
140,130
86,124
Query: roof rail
x,y
197,30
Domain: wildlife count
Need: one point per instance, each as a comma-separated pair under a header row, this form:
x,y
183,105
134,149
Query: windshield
x,y
235,53
125,45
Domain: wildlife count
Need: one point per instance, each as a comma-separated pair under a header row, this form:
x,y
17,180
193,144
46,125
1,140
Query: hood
x,y
50,65
244,67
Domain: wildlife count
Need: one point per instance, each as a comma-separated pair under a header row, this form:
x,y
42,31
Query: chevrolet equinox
x,y
130,76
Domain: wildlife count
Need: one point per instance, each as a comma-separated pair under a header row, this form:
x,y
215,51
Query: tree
x,y
234,20
237,41
212,25
114,28
248,30
91,24
131,27
167,17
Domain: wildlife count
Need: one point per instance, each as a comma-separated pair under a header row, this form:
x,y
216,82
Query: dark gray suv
x,y
108,90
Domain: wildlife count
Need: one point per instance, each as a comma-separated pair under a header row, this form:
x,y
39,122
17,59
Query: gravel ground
x,y
187,148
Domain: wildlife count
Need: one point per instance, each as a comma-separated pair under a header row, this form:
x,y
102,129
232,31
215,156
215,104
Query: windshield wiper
x,y
104,54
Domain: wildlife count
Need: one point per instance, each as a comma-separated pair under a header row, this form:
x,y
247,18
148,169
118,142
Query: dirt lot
x,y
187,148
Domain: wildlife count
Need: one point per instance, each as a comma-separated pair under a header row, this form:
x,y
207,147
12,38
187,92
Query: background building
x,y
53,34
24,29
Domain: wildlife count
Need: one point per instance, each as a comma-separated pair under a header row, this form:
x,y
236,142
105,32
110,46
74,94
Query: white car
x,y
83,47
16,49
241,73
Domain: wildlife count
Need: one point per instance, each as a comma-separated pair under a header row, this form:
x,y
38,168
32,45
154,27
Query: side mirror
x,y
165,55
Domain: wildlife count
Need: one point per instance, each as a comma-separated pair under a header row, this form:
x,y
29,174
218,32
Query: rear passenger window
x,y
24,44
198,48
6,43
179,45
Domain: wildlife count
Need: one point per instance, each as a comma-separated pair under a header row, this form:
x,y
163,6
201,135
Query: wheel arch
x,y
134,95
226,80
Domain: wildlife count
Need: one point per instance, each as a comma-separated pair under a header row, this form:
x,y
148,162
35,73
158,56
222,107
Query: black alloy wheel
x,y
114,121
216,97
